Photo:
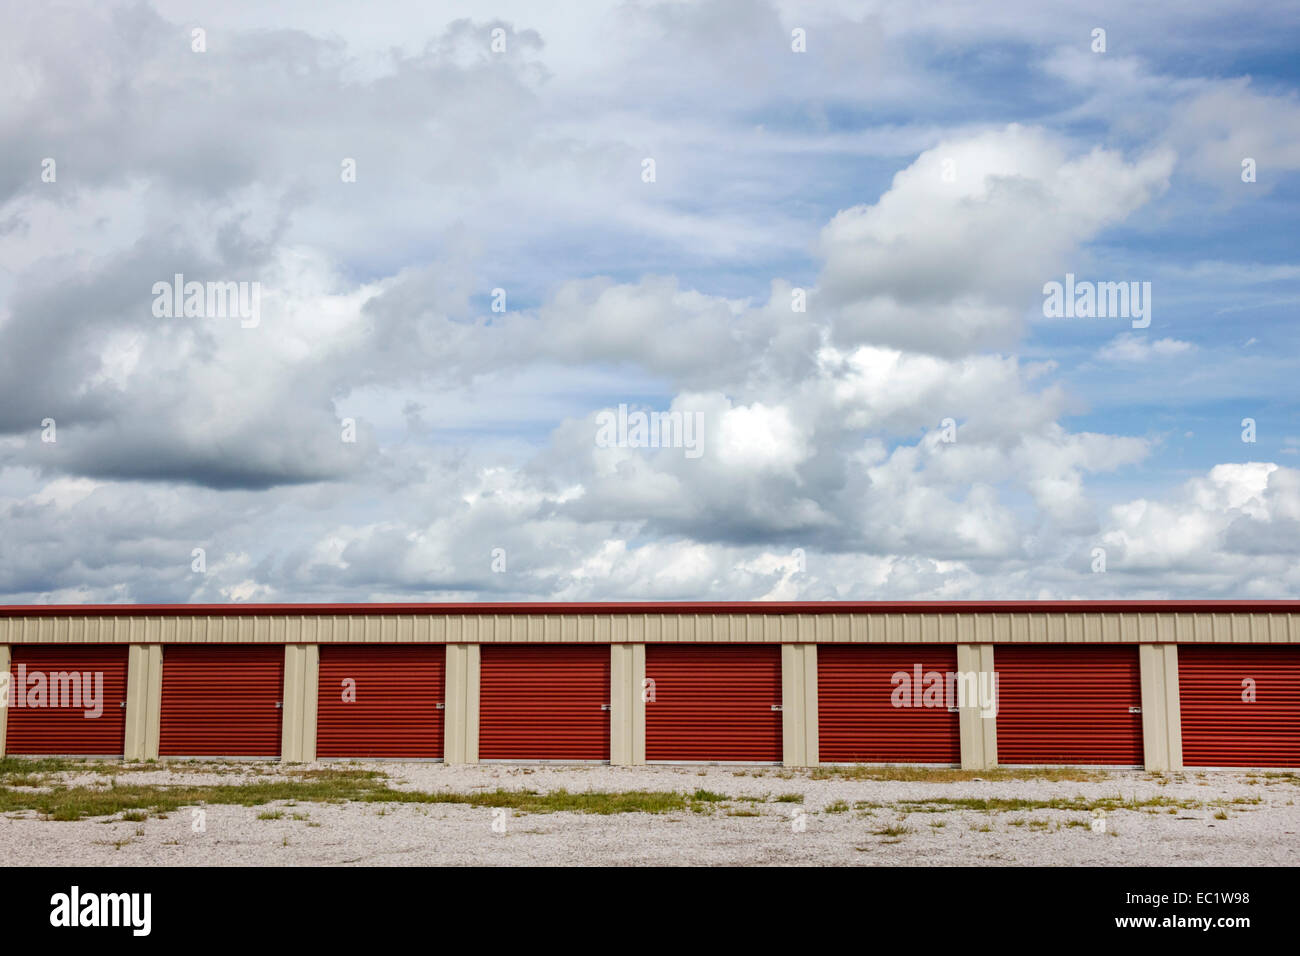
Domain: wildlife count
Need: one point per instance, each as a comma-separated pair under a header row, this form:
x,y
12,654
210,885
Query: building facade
x,y
1162,685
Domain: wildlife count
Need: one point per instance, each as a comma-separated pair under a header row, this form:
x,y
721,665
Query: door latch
x,y
442,706
776,706
604,706
279,704
123,704
1135,710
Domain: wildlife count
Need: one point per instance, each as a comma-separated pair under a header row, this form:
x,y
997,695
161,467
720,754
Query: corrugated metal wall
x,y
221,701
1240,706
392,706
713,703
858,719
712,628
544,703
1069,705
49,729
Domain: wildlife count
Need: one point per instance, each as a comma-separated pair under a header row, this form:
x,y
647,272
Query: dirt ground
x,y
731,816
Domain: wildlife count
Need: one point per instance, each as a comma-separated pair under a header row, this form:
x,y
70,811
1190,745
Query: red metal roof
x,y
653,607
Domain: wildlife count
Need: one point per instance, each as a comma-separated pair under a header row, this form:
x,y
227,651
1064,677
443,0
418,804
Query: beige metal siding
x,y
635,628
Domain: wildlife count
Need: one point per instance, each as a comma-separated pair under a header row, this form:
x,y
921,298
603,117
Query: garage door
x,y
1222,725
380,701
873,706
1069,705
221,700
544,702
67,700
713,702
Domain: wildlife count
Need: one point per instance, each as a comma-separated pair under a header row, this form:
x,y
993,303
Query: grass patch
x,y
21,766
954,775
790,798
1013,804
271,815
530,801
895,831
708,796
136,816
329,786
839,806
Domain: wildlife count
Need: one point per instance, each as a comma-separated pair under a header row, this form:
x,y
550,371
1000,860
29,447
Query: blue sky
x,y
519,166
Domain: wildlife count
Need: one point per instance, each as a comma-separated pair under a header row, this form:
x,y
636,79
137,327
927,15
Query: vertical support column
x,y
799,705
7,697
1162,722
460,720
979,733
300,703
626,705
143,701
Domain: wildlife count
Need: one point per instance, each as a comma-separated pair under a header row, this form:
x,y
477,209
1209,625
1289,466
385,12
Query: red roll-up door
x,y
1069,705
713,702
221,700
544,702
858,720
71,697
395,705
1220,728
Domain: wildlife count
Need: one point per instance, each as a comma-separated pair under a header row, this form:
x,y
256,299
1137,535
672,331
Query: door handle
x,y
776,707
442,706
1135,710
279,704
604,706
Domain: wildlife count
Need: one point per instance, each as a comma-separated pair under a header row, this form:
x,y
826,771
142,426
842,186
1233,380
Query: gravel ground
x,y
835,829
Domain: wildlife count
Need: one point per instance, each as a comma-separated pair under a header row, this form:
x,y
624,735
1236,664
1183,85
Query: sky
x,y
469,233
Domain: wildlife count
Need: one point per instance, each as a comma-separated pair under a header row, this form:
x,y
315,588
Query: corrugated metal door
x,y
1222,727
67,699
221,700
380,700
1069,705
873,705
713,702
544,702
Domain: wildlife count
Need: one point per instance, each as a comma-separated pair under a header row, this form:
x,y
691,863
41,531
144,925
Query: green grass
x,y
895,831
138,802
1013,804
839,806
328,786
708,796
953,775
790,798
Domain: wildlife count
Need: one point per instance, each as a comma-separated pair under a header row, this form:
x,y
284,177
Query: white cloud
x,y
1128,347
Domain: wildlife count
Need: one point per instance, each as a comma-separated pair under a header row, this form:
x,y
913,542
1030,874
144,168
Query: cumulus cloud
x,y
948,259
895,438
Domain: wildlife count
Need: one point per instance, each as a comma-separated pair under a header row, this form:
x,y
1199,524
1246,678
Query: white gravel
x,y
1263,833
